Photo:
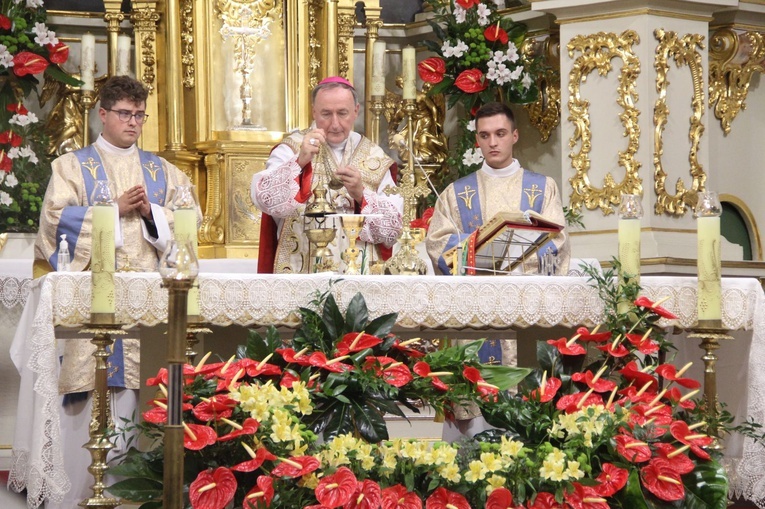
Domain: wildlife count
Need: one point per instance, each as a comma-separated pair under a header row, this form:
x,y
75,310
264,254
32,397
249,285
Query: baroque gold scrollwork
x,y
187,43
145,19
544,113
345,24
734,57
596,53
684,51
210,231
314,45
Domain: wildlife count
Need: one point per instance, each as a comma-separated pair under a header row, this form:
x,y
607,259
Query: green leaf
x,y
340,421
137,464
706,487
369,421
441,87
155,504
382,325
55,72
333,319
504,377
547,357
388,406
632,494
357,316
137,490
258,347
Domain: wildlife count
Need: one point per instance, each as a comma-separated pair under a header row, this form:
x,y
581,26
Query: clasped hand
x,y
348,175
134,198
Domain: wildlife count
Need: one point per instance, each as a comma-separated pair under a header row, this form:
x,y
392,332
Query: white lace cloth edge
x,y
430,301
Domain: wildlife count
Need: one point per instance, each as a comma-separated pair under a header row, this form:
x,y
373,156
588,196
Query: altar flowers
x,y
600,423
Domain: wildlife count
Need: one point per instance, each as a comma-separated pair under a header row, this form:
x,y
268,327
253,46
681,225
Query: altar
x,y
446,304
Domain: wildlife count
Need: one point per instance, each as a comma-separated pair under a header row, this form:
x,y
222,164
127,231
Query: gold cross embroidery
x,y
92,166
152,169
467,197
532,194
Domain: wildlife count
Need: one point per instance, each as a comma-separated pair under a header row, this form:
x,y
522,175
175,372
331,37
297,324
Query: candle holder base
x,y
194,327
711,333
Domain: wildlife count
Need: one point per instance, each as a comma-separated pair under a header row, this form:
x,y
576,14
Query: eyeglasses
x,y
125,116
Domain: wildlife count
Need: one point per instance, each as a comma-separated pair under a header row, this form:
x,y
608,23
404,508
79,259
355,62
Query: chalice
x,y
320,238
352,225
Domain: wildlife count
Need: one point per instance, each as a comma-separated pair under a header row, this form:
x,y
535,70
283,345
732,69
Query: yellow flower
x,y
492,461
495,481
510,447
309,481
552,470
450,472
573,472
476,471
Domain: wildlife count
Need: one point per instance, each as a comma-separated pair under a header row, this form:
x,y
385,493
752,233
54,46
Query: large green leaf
x,y
382,325
333,319
259,347
137,489
137,464
632,494
369,421
57,74
706,487
504,377
547,357
340,420
388,406
357,316
442,86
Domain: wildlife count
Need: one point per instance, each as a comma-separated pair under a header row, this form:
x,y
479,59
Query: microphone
x,y
399,140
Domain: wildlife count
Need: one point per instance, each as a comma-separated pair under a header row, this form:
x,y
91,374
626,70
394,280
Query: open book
x,y
504,242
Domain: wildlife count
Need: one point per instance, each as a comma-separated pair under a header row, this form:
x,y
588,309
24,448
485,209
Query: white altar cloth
x,y
486,302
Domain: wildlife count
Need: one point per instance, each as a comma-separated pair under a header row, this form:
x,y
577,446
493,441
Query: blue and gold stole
x,y
72,218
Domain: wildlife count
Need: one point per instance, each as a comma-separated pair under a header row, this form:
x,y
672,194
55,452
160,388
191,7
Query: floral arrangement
x,y
28,48
478,61
603,422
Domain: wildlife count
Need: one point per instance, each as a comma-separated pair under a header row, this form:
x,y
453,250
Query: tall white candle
x,y
185,229
409,69
102,258
378,69
629,247
709,267
87,60
123,55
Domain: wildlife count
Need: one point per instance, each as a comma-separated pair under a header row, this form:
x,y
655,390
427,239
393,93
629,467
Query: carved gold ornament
x,y
685,52
187,43
314,45
345,24
596,53
544,113
734,57
145,19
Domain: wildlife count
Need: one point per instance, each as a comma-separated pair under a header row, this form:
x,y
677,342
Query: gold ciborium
x,y
352,225
321,255
407,262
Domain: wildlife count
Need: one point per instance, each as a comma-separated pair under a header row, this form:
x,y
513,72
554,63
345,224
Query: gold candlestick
x,y
194,327
376,107
88,99
101,423
711,332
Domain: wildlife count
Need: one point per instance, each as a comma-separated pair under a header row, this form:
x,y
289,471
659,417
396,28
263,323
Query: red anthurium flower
x,y
600,385
423,369
662,480
11,138
682,433
368,495
288,379
585,497
432,70
550,390
248,427
485,389
253,368
659,415
631,449
571,403
212,490
198,436
443,499
161,378
296,467
500,498
680,463
401,347
471,81
669,372
495,33
27,62
597,337
633,374
319,360
618,352
395,373
645,346
545,500
356,342
156,415
674,395
58,53
565,349
5,22
631,394
336,489
397,497
17,108
467,4
611,479
261,494
261,455
6,163
217,407
290,355
645,302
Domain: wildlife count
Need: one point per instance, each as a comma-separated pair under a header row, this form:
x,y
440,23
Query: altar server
x,y
500,185
353,171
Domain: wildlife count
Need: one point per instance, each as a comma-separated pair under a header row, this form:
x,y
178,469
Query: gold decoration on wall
x,y
314,45
345,24
65,121
596,53
187,43
145,19
544,113
685,52
210,232
734,57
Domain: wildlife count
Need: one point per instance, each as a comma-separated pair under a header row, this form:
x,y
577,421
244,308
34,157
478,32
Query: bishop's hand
x,y
312,141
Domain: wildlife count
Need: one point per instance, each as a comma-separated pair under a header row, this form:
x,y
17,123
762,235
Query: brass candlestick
x,y
711,332
88,99
376,108
101,424
352,225
194,327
